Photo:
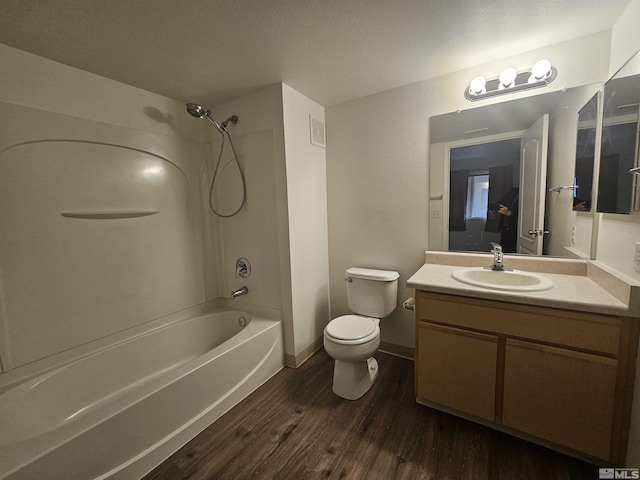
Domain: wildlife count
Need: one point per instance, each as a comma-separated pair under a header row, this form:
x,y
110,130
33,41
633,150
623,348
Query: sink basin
x,y
515,281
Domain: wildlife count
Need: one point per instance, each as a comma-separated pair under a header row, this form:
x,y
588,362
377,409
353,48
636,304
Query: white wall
x,y
377,168
625,37
307,212
377,198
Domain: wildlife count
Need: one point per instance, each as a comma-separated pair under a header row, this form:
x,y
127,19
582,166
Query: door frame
x,y
446,171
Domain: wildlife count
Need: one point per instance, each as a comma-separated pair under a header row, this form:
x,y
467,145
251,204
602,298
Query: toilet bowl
x,y
353,339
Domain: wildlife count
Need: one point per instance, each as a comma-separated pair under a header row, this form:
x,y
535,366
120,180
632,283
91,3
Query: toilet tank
x,y
373,293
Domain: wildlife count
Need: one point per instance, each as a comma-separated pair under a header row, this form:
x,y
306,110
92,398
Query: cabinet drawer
x,y
562,396
457,369
585,331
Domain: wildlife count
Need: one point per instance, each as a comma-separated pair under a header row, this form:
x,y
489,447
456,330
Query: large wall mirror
x,y
620,140
506,173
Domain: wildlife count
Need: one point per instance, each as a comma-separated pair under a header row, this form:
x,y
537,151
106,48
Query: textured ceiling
x,y
332,51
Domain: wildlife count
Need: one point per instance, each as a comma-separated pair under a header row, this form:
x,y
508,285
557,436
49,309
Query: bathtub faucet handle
x,y
237,293
243,268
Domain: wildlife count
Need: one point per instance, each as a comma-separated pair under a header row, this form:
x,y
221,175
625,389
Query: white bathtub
x,y
119,412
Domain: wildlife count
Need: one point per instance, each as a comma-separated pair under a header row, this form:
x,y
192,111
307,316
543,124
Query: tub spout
x,y
237,293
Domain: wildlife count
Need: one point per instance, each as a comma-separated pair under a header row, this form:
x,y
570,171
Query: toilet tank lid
x,y
371,274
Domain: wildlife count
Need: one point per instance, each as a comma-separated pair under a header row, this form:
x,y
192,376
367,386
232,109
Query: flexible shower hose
x,y
215,174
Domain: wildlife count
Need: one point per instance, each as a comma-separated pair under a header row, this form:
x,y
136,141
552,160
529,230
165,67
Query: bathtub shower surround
x,y
106,254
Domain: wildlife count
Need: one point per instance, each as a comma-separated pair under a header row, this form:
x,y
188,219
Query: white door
x,y
533,182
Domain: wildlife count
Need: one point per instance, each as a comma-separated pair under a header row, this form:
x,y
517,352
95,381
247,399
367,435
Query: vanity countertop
x,y
573,288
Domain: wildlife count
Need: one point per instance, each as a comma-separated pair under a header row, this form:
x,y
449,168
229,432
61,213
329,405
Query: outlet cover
x,y
636,258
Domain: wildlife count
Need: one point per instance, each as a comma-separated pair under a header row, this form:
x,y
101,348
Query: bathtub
x,y
120,411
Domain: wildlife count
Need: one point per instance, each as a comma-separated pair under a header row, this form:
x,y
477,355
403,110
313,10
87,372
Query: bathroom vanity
x,y
556,367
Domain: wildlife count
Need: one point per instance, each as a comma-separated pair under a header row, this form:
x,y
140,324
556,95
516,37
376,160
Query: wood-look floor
x,y
294,427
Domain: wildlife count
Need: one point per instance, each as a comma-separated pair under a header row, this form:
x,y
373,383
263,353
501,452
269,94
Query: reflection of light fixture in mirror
x,y
541,74
507,78
478,85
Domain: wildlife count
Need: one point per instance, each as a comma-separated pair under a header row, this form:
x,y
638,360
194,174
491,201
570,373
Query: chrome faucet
x,y
497,258
239,292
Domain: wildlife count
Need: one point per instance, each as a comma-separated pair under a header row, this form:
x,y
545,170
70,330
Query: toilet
x,y
352,340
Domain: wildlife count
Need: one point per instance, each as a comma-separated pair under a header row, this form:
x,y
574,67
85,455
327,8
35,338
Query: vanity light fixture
x,y
541,74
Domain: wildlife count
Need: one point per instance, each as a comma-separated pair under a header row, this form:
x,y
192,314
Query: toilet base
x,y
351,380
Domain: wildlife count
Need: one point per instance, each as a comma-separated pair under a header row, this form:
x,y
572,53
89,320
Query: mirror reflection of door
x,y
482,177
486,188
533,186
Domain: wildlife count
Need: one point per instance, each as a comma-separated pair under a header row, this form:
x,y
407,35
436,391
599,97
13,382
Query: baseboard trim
x,y
304,355
397,350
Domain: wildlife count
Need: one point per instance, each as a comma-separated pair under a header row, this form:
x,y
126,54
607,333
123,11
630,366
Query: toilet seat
x,y
352,329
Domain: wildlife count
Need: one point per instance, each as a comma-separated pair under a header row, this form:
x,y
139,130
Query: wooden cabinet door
x,y
457,368
562,396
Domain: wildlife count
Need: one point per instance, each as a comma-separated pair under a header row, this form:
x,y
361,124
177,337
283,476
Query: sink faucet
x,y
497,258
237,293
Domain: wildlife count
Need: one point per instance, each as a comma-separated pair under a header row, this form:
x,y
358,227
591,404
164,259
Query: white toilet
x,y
353,339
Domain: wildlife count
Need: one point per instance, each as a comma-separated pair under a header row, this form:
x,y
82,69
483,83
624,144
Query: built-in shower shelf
x,y
108,215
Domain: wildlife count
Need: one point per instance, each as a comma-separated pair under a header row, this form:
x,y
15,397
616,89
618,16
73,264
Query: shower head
x,y
198,111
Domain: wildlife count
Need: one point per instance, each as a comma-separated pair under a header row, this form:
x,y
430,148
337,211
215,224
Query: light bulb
x,y
478,85
507,78
541,69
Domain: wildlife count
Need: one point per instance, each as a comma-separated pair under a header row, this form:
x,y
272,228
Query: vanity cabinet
x,y
559,377
458,368
560,395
